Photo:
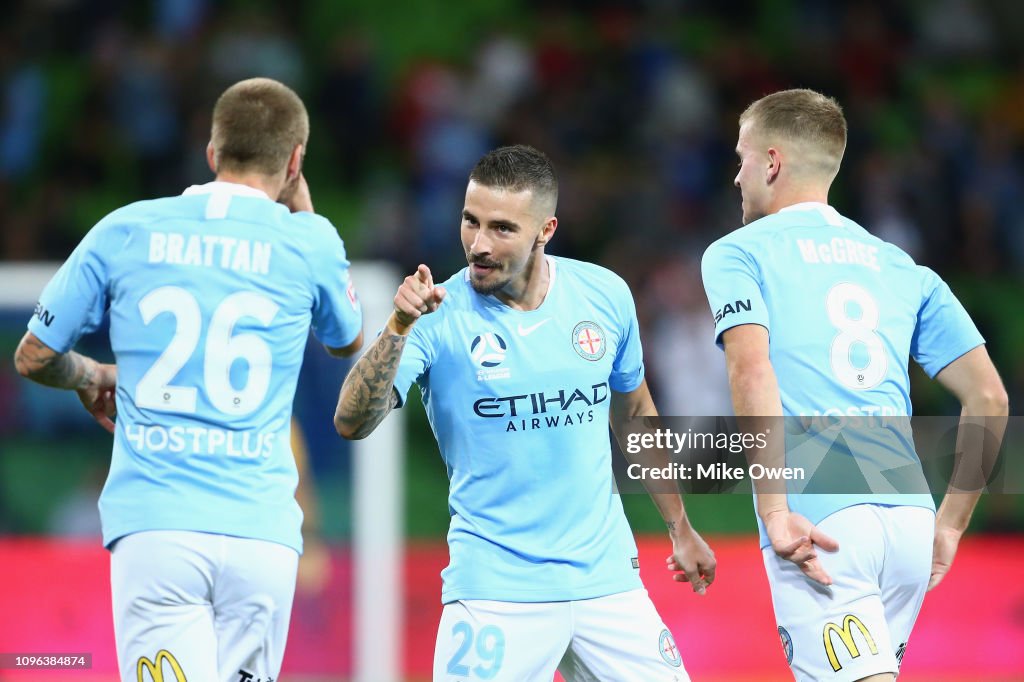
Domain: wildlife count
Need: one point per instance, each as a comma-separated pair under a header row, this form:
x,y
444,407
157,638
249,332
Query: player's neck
x,y
529,292
802,194
268,185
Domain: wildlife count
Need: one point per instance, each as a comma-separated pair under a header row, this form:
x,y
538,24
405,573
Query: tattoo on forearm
x,y
368,395
671,525
39,363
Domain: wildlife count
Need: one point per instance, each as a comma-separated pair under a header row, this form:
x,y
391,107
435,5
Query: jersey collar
x,y
806,206
232,188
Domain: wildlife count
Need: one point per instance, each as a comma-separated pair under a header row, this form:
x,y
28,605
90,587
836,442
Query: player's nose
x,y
481,245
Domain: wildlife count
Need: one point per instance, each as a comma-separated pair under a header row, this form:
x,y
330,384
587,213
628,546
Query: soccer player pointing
x,y
521,359
211,297
819,317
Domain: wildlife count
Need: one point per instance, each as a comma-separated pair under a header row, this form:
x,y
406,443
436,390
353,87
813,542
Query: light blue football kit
x,y
544,569
211,297
518,401
845,312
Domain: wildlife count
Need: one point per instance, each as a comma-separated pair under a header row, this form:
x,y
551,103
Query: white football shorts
x,y
859,625
617,638
191,607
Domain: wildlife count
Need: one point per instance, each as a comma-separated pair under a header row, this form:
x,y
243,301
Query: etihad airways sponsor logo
x,y
544,409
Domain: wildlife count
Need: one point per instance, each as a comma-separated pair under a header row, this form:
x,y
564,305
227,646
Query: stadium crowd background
x,y
105,102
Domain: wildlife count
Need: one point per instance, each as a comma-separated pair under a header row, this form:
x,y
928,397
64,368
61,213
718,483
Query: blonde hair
x,y
813,121
256,125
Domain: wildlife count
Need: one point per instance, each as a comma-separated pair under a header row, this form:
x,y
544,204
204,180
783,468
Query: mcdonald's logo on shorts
x,y
846,637
156,668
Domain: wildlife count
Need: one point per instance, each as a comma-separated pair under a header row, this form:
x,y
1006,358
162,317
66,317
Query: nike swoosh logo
x,y
526,331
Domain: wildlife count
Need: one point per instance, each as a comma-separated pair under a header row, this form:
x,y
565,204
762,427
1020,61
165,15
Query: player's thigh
x,y
621,637
907,569
252,604
163,619
501,641
839,632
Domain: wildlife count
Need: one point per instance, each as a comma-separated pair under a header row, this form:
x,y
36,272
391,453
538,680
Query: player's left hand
x,y
296,196
943,550
98,397
794,538
692,559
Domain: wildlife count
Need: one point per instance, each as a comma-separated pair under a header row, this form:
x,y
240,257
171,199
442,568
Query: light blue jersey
x,y
518,401
211,297
845,311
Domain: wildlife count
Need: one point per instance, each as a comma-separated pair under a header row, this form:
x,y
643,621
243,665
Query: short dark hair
x,y
803,116
517,168
256,125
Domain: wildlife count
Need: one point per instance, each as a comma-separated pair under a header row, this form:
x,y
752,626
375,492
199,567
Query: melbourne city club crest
x,y
588,341
669,652
787,644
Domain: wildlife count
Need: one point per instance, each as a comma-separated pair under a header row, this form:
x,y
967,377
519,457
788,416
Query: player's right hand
x,y
416,297
794,538
98,398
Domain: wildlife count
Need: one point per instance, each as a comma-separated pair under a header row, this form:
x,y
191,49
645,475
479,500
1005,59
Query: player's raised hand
x,y
416,297
98,396
943,550
691,560
296,196
796,539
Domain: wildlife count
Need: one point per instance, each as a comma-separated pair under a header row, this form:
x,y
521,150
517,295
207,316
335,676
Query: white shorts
x,y
197,606
858,626
618,638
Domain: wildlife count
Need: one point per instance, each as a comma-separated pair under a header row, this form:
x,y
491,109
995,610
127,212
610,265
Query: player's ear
x,y
546,232
774,165
211,157
295,162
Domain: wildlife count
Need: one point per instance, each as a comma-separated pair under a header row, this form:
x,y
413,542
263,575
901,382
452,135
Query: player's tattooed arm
x,y
94,382
368,394
40,363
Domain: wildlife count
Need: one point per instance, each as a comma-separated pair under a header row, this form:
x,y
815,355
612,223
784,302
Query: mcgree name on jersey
x,y
566,407
230,253
840,251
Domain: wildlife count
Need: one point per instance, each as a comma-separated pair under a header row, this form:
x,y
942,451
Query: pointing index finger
x,y
423,274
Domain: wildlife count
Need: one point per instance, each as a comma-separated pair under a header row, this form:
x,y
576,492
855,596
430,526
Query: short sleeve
x,y
732,283
75,300
628,366
337,314
417,357
944,330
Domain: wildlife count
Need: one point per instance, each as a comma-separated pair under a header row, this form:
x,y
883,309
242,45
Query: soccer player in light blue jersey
x,y
211,297
818,317
521,359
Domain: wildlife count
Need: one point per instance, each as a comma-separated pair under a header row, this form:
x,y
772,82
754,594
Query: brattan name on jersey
x,y
566,405
534,515
210,250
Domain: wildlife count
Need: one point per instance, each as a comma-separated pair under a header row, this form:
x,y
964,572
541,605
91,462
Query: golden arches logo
x,y
846,636
156,667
